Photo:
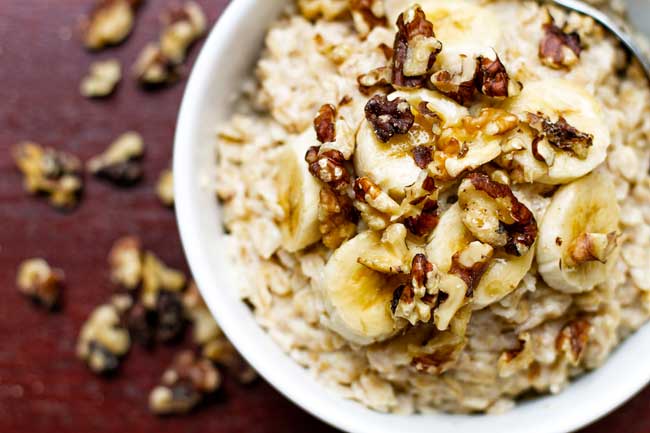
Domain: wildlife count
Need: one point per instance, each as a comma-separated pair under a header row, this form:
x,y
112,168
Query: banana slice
x,y
578,236
557,97
391,165
503,273
456,23
357,297
299,194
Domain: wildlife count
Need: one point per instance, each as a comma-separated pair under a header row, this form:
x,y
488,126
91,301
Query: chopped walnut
x,y
184,384
337,216
103,340
120,163
416,300
141,323
153,68
440,351
422,155
493,79
369,192
109,23
374,80
559,49
512,361
590,247
391,255
426,221
389,118
573,338
561,135
452,291
221,351
495,216
165,188
328,9
367,14
471,263
156,277
415,49
458,82
102,78
325,123
328,166
419,207
41,283
51,172
125,261
182,27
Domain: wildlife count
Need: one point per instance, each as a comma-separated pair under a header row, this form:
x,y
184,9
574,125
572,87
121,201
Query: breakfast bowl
x,y
225,67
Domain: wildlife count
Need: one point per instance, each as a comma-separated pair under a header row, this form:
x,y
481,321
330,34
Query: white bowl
x,y
226,58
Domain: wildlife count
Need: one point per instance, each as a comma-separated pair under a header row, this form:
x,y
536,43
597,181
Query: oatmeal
x,y
430,211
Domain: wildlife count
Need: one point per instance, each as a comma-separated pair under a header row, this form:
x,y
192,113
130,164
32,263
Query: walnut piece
x,y
559,49
374,80
125,262
221,351
41,283
156,278
51,172
573,339
103,340
367,14
102,79
325,124
165,188
415,49
493,80
415,300
561,135
328,166
495,216
391,255
184,384
109,23
204,327
120,163
471,263
458,82
369,192
389,118
590,247
159,62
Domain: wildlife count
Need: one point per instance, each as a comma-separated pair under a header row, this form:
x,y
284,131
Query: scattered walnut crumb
x,y
43,284
109,23
120,163
560,134
389,118
159,62
573,339
53,173
102,78
156,278
559,49
184,384
103,340
125,261
165,188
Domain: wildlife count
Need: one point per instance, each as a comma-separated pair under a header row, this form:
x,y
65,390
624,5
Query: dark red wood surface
x,y
43,387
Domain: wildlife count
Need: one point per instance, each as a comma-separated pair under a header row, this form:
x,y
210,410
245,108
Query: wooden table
x,y
43,387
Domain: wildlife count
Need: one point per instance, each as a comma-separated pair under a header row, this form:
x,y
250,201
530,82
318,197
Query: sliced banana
x,y
358,298
299,194
559,97
578,235
502,275
391,165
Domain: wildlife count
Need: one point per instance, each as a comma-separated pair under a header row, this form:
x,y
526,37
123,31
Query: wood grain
x,y
43,387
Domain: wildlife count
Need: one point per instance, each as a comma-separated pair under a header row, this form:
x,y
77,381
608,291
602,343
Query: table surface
x,y
43,387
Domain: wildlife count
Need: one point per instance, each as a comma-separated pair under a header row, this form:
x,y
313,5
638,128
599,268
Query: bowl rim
x,y
185,179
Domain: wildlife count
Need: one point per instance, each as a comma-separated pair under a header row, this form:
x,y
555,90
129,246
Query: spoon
x,y
607,22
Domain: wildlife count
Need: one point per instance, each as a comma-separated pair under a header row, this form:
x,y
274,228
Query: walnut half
x,y
109,23
43,284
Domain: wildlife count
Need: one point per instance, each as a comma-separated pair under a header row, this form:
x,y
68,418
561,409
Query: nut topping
x,y
493,80
471,263
125,261
378,78
590,247
458,83
102,78
325,124
165,188
559,49
389,118
573,338
43,284
109,23
337,216
415,301
367,14
562,135
415,49
120,163
328,166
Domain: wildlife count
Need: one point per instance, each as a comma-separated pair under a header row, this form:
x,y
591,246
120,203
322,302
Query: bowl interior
x,y
226,58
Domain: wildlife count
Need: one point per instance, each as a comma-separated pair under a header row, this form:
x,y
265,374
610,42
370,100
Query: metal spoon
x,y
607,22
